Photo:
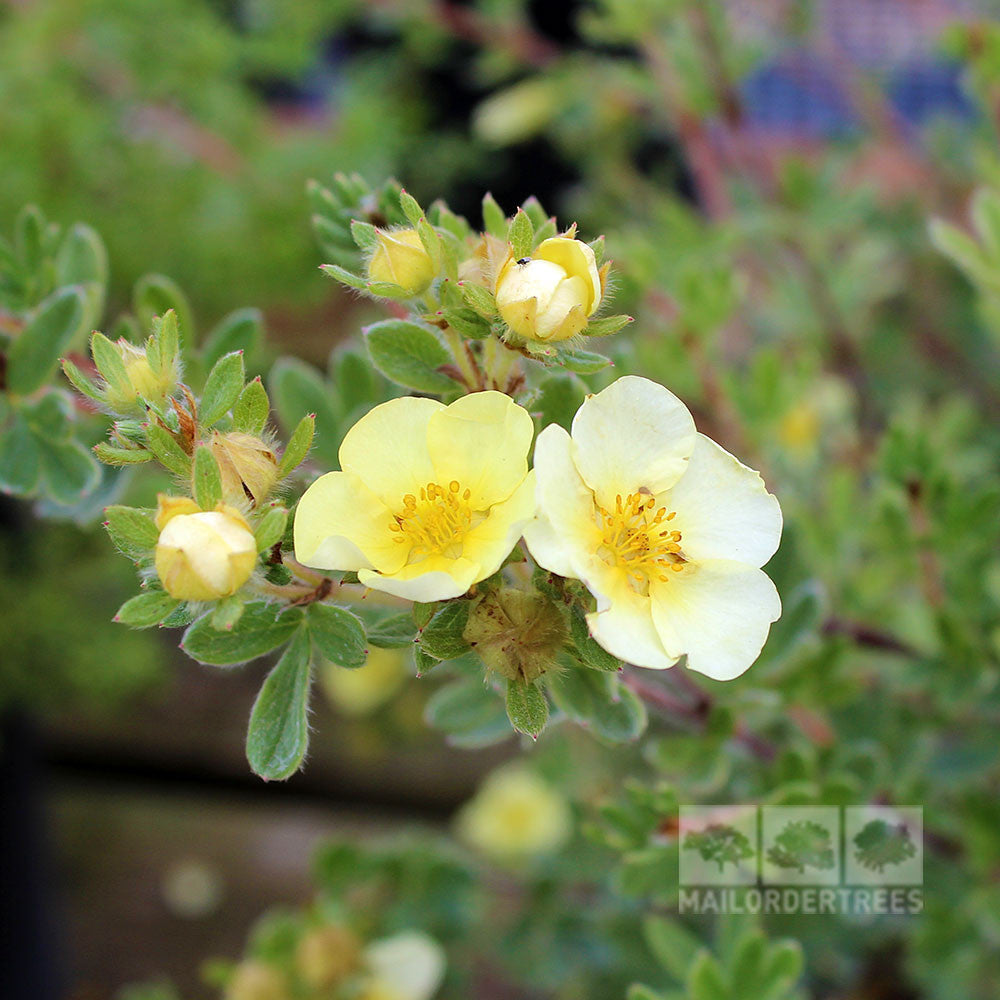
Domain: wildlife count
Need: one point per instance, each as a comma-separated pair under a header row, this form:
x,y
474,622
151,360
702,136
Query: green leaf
x,y
29,236
391,631
527,707
479,299
521,234
69,471
20,461
132,530
559,397
167,451
207,479
582,362
467,322
222,388
607,326
463,706
411,207
494,220
251,410
592,654
262,627
637,991
705,980
338,635
82,258
241,330
297,389
271,528
599,699
423,613
146,609
673,945
110,455
965,253
298,446
782,968
153,295
423,661
409,355
278,735
442,636
35,354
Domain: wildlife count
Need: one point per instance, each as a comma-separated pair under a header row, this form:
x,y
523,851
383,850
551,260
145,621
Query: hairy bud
x,y
400,259
248,465
327,955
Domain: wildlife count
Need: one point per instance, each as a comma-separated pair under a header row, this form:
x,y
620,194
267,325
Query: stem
x,y
464,359
499,363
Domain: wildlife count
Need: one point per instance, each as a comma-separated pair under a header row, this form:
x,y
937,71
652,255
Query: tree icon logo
x,y
719,843
880,843
803,844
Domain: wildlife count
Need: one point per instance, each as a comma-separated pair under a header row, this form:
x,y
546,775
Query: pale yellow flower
x,y
550,295
430,500
202,555
326,956
255,980
406,966
667,530
400,259
515,814
360,692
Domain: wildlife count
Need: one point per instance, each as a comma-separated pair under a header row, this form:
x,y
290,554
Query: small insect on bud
x,y
202,555
326,956
248,465
400,259
516,634
550,295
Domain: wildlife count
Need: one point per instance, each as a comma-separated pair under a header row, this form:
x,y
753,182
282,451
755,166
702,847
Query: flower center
x,y
436,522
638,538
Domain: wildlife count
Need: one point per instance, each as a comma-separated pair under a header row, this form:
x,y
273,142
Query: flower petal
x,y
387,448
341,525
576,258
635,435
409,965
723,508
565,533
720,612
482,441
490,542
623,622
437,578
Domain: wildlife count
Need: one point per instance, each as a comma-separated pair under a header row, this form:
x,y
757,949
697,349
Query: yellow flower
x,y
327,955
400,259
406,966
514,814
359,692
667,530
431,499
248,465
202,555
550,295
144,382
255,980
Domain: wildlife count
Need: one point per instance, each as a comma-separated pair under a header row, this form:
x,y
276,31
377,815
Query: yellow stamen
x,y
438,523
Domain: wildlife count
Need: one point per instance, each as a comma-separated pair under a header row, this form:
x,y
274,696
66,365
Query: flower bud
x,y
326,956
143,381
516,634
202,555
400,259
248,465
255,980
550,295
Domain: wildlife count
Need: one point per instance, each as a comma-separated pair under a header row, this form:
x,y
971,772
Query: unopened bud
x,y
326,956
143,381
517,634
202,555
248,465
550,295
400,259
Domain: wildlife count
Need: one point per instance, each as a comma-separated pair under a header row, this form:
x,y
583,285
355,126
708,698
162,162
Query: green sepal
x,y
252,408
521,234
607,325
207,479
442,636
110,455
494,220
156,294
80,382
270,529
527,707
146,610
590,652
222,388
298,445
227,613
481,300
581,362
132,530
167,451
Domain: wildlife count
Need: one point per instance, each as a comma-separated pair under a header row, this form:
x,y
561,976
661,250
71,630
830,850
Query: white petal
x,y
409,965
723,508
434,579
566,533
635,435
720,612
387,448
623,622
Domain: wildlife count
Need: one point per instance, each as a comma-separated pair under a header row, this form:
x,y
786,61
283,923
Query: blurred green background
x,y
765,173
